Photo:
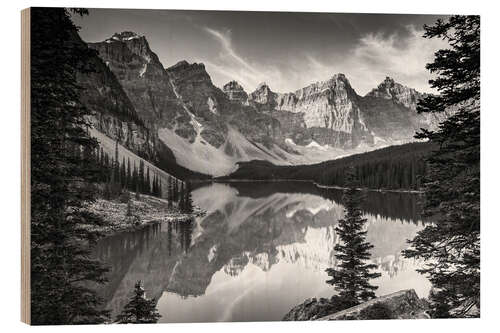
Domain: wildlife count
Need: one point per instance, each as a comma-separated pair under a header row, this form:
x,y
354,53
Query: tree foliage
x,y
117,177
63,176
457,67
185,199
140,309
351,276
395,167
451,246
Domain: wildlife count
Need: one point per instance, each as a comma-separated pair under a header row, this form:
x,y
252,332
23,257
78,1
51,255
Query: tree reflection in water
x,y
272,242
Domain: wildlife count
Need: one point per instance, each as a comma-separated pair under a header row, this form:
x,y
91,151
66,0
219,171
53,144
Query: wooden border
x,y
25,165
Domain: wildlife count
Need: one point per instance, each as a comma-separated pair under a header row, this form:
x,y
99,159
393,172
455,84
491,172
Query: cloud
x,y
371,58
375,56
230,65
225,40
403,58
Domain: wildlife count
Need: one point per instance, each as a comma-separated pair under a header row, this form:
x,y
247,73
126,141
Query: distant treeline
x,y
395,167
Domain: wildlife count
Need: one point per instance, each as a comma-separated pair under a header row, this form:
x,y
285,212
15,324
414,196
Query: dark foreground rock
x,y
403,304
311,309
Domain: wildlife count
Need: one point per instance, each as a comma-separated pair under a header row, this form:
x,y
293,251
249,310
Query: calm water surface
x,y
261,249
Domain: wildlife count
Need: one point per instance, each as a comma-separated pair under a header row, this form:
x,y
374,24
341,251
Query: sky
x,y
288,51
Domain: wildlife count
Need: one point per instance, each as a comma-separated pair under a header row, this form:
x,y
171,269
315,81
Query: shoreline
x,y
233,180
111,230
219,180
146,211
369,189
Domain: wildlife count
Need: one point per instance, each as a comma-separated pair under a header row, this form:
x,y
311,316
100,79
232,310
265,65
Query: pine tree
x,y
160,191
186,199
123,173
142,183
61,271
351,276
175,190
153,187
185,234
170,194
182,197
140,309
116,165
137,194
147,187
451,245
107,168
135,179
129,175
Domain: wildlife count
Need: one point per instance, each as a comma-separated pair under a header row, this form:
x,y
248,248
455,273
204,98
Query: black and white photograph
x,y
187,166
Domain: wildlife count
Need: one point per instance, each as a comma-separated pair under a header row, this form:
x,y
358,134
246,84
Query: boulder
x,y
311,309
403,304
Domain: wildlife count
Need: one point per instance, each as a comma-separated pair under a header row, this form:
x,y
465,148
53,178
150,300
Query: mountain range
x,y
177,119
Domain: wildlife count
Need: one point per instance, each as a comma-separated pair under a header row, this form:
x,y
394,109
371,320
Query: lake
x,y
261,249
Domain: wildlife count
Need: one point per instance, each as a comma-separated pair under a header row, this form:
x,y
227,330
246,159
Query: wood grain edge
x,y
25,166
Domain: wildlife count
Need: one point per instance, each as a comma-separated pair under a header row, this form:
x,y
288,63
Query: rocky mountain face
x,y
391,90
142,77
390,111
332,113
235,92
116,115
201,99
207,129
329,110
264,96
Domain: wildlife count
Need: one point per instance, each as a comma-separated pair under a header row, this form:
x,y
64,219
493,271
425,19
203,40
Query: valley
x,y
178,120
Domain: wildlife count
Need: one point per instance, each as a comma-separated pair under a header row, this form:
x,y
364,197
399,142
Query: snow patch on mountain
x,y
211,105
202,157
212,253
143,70
314,144
196,156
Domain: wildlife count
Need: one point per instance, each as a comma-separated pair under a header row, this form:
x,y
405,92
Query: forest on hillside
x,y
395,167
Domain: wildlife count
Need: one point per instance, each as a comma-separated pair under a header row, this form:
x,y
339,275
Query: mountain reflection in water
x,y
260,249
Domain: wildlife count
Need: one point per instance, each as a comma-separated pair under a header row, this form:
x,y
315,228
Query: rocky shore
x,y
404,304
143,211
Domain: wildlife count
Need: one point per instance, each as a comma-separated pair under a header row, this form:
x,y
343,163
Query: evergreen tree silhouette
x,y
140,309
451,245
351,276
61,176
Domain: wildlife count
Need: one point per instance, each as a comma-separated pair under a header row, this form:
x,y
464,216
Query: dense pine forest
x,y
116,178
395,167
70,171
